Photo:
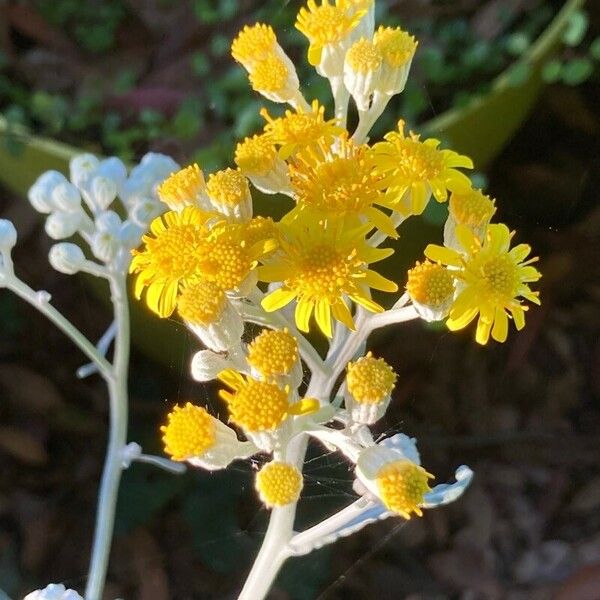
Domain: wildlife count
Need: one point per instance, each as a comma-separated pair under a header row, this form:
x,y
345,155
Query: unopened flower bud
x,y
66,258
40,193
81,167
60,225
104,191
8,235
65,196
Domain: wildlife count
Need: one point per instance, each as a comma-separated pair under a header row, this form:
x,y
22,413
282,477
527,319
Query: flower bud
x,y
206,365
40,193
81,167
104,191
53,591
108,221
8,235
66,258
65,196
60,225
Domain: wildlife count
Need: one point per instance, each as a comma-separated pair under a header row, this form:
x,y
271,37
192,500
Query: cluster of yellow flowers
x,y
207,256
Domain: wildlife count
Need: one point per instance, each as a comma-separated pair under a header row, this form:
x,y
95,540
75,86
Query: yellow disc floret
x,y
255,155
254,405
189,432
402,485
430,284
182,187
299,129
273,352
253,44
395,46
270,75
370,380
228,187
363,57
201,302
472,208
278,484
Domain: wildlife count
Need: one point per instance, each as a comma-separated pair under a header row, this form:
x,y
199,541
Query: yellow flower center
x,y
255,155
189,431
430,284
270,75
325,24
259,229
370,380
363,56
228,187
174,252
402,485
501,277
258,405
201,302
344,183
182,186
273,352
416,161
472,208
279,483
323,272
253,43
397,47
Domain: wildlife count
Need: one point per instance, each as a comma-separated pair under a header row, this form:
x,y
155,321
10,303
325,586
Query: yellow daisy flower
x,y
321,265
170,257
298,129
414,170
341,182
492,279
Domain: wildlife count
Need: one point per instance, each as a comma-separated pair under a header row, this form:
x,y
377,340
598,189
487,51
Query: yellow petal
x,y
323,317
342,314
379,282
306,406
277,299
302,315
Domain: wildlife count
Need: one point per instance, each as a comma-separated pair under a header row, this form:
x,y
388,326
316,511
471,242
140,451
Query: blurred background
x,y
516,84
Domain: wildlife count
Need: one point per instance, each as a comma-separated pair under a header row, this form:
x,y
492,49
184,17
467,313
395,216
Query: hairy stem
x,y
113,464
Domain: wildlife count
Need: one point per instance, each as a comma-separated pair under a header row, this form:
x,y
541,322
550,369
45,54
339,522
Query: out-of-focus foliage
x,y
118,76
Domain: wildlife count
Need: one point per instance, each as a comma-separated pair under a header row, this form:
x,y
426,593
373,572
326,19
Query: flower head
x,y
229,193
299,129
253,44
201,302
397,49
362,70
185,187
341,182
278,484
431,289
273,352
170,257
191,434
415,169
320,264
328,27
492,279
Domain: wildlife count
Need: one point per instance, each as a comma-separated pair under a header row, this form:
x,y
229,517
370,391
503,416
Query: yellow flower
x,y
189,432
227,258
402,485
431,289
273,352
328,26
278,484
229,192
492,278
397,50
299,129
370,380
258,405
256,155
253,44
170,257
341,183
415,169
185,187
321,265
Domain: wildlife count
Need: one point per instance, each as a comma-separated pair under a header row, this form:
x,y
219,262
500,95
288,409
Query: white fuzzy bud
x,y
40,193
53,591
65,196
104,191
66,258
206,365
145,210
81,167
60,225
8,235
114,169
108,221
105,245
130,234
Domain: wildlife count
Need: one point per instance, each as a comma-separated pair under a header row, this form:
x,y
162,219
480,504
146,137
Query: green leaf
x,y
577,71
576,28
